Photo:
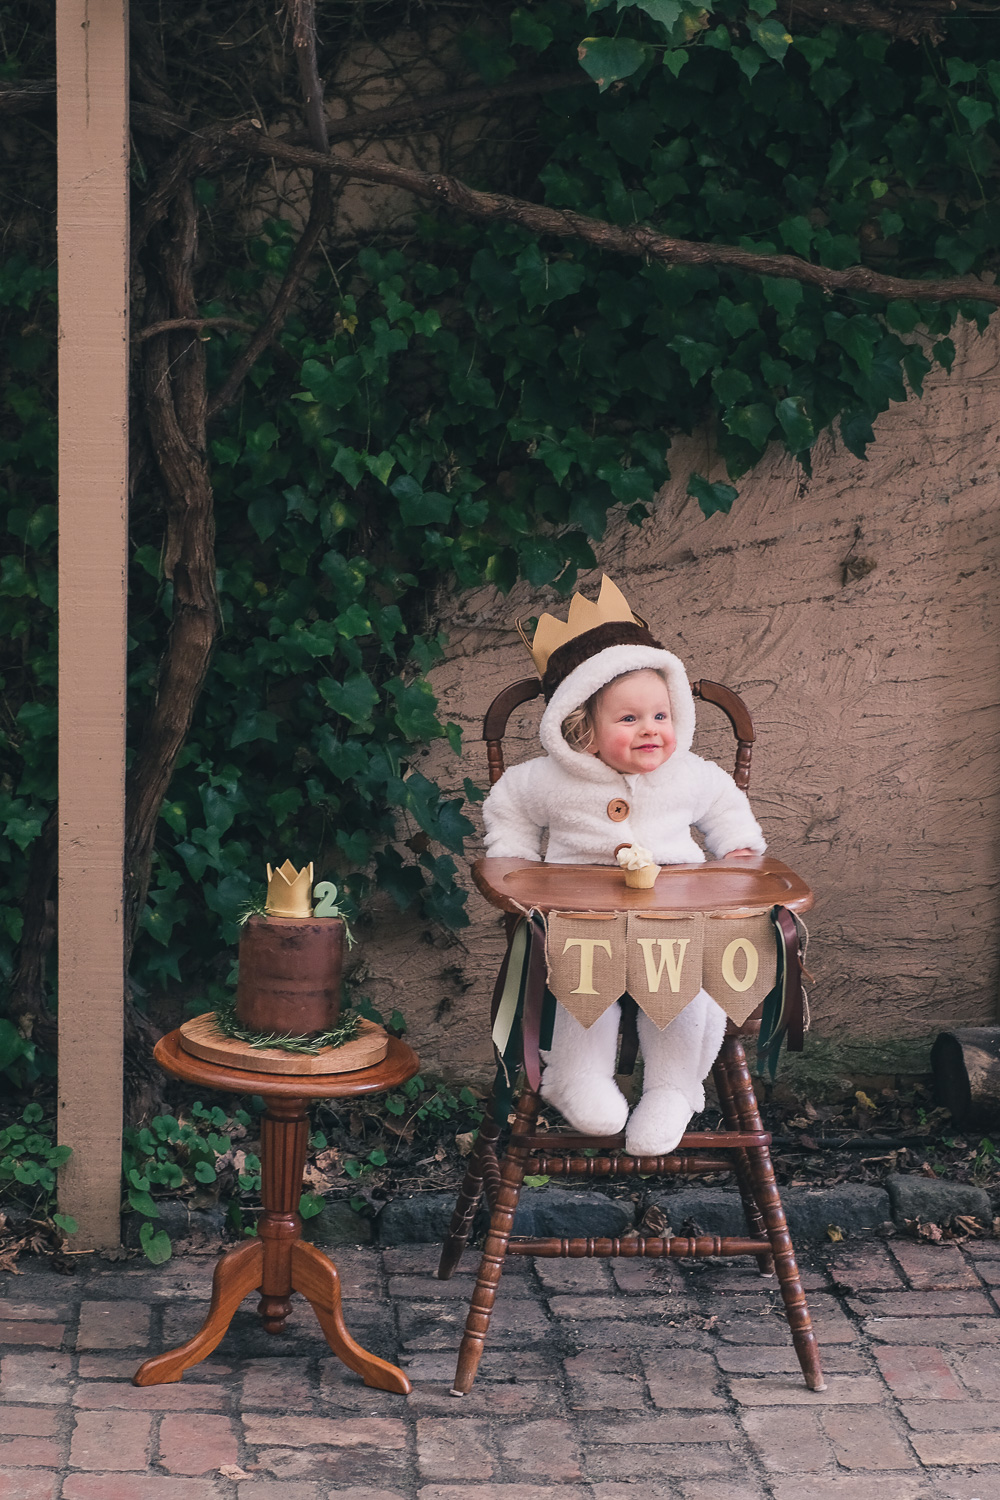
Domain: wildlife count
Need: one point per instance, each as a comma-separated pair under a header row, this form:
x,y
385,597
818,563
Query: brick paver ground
x,y
601,1380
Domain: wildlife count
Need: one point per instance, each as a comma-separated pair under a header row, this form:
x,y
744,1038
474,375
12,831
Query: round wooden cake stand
x,y
278,1261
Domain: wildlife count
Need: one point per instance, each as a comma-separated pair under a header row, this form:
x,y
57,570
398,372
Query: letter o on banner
x,y
740,962
751,961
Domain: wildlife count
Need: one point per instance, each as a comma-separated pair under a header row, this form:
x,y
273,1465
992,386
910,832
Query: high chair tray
x,y
730,885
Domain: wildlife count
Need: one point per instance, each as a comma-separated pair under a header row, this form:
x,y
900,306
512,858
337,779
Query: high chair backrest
x,y
732,705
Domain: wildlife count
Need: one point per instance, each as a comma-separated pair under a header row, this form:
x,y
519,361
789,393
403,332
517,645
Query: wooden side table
x,y
278,1261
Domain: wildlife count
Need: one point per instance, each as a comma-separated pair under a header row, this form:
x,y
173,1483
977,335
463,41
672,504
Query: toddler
x,y
618,769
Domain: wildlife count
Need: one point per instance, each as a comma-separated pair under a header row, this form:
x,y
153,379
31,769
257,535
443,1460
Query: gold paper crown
x,y
289,891
551,633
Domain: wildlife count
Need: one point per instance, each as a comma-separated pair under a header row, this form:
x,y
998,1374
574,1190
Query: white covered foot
x,y
657,1122
579,1076
675,1061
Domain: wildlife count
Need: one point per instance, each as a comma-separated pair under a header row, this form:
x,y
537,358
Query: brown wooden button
x,y
618,809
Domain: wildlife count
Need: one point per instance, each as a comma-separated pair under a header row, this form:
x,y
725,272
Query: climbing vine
x,y
466,397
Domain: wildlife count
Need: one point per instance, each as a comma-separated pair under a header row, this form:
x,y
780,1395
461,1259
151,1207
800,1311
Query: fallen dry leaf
x,y
465,1140
233,1471
654,1222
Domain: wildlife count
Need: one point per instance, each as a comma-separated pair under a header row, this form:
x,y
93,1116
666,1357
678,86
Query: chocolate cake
x,y
290,969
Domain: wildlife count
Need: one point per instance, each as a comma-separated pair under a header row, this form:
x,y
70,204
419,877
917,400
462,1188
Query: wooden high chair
x,y
515,886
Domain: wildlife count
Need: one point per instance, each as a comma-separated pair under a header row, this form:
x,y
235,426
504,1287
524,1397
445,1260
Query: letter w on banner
x,y
664,962
585,954
741,957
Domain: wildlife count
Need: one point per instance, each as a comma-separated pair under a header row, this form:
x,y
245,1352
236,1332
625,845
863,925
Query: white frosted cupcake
x,y
640,871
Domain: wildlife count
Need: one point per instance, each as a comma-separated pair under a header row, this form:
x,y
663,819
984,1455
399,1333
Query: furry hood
x,y
596,672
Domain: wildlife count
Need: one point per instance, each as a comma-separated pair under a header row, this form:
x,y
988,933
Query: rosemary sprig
x,y
345,1031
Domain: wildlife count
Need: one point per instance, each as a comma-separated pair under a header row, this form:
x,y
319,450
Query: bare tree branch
x,y
303,14
647,243
904,23
320,208
172,325
377,121
214,147
175,398
25,98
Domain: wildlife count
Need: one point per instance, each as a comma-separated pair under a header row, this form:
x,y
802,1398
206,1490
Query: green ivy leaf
x,y
258,724
665,13
353,699
903,316
527,31
731,385
155,1244
143,1203
782,294
978,112
755,422
944,353
711,497
416,709
770,36
857,432
453,827
796,423
418,507
608,59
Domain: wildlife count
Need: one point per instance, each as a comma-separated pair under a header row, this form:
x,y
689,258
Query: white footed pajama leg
x,y
675,1062
579,1076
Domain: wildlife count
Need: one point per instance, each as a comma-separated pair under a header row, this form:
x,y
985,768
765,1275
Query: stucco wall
x,y
876,704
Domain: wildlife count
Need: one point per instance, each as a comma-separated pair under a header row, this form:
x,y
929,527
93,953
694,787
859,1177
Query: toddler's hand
x,y
739,854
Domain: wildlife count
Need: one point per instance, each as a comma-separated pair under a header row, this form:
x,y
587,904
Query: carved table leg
x,y
317,1279
277,1262
236,1274
284,1140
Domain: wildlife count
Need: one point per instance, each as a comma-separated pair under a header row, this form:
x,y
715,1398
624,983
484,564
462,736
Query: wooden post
x,y
92,98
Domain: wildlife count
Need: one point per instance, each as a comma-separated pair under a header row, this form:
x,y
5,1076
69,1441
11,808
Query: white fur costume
x,y
567,793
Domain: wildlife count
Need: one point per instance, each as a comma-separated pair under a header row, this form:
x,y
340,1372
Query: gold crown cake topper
x,y
289,891
551,633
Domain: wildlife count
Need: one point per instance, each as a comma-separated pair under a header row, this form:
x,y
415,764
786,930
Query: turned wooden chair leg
x,y
494,1251
472,1191
741,1167
765,1192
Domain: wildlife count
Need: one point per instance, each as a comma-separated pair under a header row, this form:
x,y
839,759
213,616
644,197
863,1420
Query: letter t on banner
x,y
585,954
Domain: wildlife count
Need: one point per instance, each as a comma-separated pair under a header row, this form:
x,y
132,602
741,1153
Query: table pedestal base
x,y
276,1262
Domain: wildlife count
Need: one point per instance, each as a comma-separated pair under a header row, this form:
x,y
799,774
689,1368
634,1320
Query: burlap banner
x,y
741,961
585,954
663,969
661,959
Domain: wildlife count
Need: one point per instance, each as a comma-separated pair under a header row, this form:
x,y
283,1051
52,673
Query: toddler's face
x,y
633,729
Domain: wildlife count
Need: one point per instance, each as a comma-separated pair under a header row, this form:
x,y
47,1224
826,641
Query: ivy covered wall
x,y
715,224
